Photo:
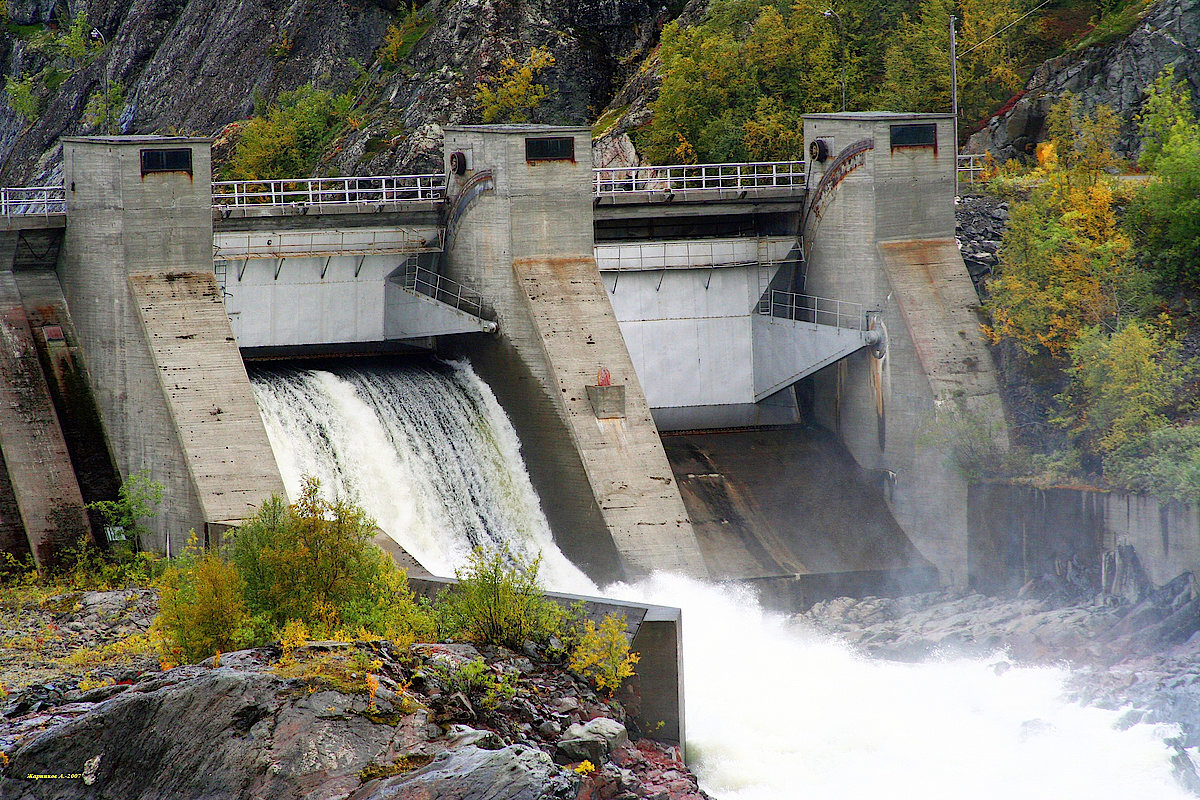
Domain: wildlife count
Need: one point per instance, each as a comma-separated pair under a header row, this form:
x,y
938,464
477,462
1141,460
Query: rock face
x,y
1116,75
195,66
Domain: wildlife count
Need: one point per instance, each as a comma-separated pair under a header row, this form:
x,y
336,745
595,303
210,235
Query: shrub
x,y
136,500
104,107
23,96
1124,383
602,653
398,40
314,562
1166,463
513,95
202,608
288,141
498,600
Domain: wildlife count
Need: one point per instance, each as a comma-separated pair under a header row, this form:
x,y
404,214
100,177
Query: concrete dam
x,y
655,335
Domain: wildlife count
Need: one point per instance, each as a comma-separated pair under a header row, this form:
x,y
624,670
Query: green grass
x,y
1115,25
607,120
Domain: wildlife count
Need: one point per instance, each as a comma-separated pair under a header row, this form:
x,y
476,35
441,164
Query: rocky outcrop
x,y
195,66
1115,74
441,720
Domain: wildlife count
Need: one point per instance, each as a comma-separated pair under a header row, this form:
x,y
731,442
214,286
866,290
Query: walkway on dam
x,y
20,206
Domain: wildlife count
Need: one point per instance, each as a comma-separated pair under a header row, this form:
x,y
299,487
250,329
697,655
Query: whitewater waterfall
x,y
774,710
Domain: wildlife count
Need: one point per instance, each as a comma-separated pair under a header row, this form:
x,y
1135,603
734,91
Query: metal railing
x,y
32,201
307,244
679,179
329,191
440,288
970,166
809,308
694,253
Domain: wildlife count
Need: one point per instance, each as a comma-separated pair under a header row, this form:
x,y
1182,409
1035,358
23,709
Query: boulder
x,y
592,741
512,773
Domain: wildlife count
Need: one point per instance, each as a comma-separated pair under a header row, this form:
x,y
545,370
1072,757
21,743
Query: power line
x,y
1006,27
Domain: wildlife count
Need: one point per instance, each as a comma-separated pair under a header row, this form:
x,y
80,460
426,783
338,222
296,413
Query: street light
x,y
97,36
827,14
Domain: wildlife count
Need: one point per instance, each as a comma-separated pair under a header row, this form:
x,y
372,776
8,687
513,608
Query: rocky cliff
x,y
1115,74
194,66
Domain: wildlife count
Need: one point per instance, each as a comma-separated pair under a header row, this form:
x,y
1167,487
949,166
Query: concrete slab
x,y
208,393
787,502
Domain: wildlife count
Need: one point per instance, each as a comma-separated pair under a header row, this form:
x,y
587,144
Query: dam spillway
x,y
775,708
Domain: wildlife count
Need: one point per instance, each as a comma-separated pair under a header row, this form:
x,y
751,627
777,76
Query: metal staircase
x,y
419,302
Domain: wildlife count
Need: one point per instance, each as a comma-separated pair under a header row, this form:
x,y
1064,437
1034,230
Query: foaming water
x,y
774,710
426,449
777,710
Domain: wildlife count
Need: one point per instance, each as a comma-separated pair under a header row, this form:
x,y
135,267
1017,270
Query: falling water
x,y
425,449
774,710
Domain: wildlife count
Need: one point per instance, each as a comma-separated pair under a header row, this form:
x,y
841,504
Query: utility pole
x,y
954,97
830,13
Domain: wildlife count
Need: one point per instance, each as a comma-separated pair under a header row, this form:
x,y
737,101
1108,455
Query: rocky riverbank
x,y
365,720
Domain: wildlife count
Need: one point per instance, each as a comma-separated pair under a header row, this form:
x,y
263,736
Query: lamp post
x,y
830,13
954,97
97,36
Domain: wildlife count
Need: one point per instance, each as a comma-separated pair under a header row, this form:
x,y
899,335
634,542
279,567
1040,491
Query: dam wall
x,y
136,271
520,232
879,228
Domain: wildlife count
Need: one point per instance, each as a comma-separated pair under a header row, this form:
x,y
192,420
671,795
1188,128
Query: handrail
x,y
671,179
682,178
329,191
32,201
440,288
810,308
970,166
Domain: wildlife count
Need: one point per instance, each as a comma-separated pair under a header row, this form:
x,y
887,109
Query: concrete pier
x,y
35,452
880,228
520,233
136,270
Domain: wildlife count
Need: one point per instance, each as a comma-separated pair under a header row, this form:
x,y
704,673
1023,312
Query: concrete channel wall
x,y
654,696
1018,533
520,233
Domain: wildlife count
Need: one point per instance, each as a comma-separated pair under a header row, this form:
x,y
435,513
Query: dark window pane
x,y
167,161
924,135
556,148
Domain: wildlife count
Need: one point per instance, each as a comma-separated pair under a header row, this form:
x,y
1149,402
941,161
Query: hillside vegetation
x,y
1097,286
735,85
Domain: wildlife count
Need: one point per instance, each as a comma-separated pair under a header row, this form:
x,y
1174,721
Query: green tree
x,y
734,87
1164,216
289,139
1166,113
917,61
1124,383
137,500
1083,143
23,96
514,94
